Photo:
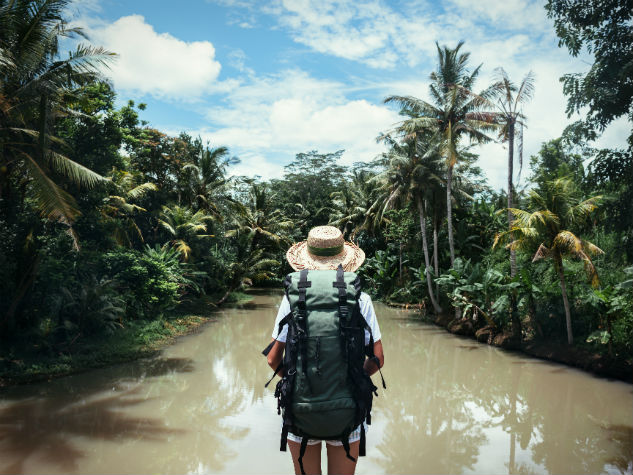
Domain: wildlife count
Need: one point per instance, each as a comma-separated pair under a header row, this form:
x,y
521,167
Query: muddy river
x,y
451,406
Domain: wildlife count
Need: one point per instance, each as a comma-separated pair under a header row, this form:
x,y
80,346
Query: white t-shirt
x,y
366,309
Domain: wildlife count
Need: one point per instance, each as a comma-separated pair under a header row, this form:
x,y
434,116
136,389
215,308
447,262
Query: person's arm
x,y
275,356
370,366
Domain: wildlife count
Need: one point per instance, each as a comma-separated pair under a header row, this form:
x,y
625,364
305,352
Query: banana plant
x,y
609,303
478,291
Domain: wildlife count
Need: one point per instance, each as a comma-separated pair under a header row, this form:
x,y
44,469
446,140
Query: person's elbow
x,y
380,354
275,355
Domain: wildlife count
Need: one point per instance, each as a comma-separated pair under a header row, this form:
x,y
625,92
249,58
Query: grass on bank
x,y
24,362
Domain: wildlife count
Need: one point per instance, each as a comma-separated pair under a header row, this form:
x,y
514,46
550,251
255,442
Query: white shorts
x,y
354,436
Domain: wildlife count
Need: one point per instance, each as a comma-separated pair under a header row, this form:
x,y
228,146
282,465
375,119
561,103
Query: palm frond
x,y
141,190
76,172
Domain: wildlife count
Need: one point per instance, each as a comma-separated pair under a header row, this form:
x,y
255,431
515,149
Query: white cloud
x,y
252,164
269,120
366,31
157,64
506,14
616,134
381,35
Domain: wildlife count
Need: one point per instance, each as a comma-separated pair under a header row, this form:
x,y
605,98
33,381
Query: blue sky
x,y
270,79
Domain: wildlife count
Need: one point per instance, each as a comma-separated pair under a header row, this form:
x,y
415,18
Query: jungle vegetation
x,y
108,224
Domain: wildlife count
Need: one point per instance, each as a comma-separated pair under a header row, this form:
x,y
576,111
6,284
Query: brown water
x,y
452,406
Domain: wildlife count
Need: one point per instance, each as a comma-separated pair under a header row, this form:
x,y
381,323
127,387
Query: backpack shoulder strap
x,y
342,292
301,318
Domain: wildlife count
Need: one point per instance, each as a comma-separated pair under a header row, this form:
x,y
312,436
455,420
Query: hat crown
x,y
325,237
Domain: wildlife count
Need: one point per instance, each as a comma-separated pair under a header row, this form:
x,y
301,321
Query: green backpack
x,y
325,393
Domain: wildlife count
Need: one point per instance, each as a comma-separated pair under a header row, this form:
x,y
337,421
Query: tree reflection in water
x,y
155,416
430,428
455,406
451,406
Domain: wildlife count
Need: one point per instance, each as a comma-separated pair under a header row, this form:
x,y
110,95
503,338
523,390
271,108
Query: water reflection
x,y
431,428
452,406
456,407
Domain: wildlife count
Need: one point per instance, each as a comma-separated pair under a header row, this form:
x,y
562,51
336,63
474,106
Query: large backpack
x,y
325,392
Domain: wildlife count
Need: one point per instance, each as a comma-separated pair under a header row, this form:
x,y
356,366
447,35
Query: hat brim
x,y
351,257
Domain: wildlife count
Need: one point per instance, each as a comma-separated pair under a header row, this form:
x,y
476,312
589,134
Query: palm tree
x,y
454,113
248,267
260,218
558,210
509,99
185,227
257,226
208,184
412,166
352,206
35,86
120,209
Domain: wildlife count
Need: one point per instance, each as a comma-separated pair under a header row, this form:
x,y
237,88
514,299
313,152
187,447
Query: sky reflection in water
x,y
451,406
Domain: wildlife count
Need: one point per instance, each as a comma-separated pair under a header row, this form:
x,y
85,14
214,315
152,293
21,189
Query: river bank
x,y
22,363
577,357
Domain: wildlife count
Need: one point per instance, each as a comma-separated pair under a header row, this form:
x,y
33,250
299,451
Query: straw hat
x,y
325,249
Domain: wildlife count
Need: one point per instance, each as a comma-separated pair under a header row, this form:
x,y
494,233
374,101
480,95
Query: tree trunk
x,y
225,296
513,256
514,312
400,262
561,275
435,253
609,329
449,213
427,262
449,219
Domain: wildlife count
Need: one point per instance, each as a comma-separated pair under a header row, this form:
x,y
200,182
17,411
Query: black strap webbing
x,y
302,451
345,442
302,316
268,348
281,365
342,292
284,438
362,451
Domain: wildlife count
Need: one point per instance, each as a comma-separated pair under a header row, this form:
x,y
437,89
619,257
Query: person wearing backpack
x,y
326,343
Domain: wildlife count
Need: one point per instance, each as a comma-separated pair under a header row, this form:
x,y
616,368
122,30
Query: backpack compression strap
x,y
302,451
342,292
301,318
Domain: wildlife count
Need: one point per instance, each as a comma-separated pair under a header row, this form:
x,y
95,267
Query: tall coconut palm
x,y
412,166
35,85
455,113
509,99
557,210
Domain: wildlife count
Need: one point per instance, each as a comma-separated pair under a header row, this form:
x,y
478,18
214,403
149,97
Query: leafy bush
x,y
479,291
151,282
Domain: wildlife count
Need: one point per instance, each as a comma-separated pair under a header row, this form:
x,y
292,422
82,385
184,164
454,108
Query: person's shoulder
x,y
364,298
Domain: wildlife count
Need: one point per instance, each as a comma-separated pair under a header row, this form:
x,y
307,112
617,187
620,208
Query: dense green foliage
x,y
108,225
605,29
